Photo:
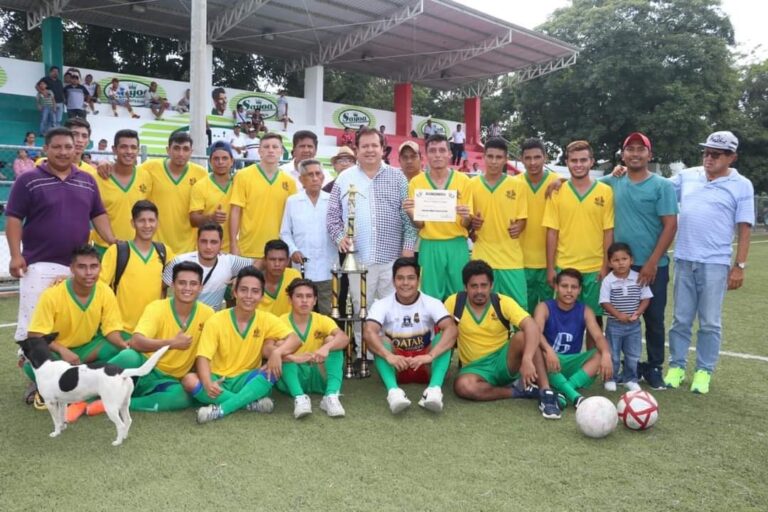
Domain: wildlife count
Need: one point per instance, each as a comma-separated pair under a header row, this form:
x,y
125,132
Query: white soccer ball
x,y
596,417
638,410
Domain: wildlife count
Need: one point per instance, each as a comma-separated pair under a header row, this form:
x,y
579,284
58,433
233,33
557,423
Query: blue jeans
x,y
626,338
654,317
47,119
699,289
58,114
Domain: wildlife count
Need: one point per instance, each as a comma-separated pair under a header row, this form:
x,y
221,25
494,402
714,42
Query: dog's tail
x,y
148,365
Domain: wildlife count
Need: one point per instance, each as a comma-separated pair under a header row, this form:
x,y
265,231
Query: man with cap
x,y
341,161
409,155
209,200
645,217
722,203
251,151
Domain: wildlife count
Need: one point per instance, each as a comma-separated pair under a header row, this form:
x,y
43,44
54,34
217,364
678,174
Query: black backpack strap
x,y
123,253
160,248
458,307
496,303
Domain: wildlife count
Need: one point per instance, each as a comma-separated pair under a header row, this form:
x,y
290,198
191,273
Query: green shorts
x,y
590,292
236,383
492,368
441,264
152,382
511,282
572,363
538,289
311,378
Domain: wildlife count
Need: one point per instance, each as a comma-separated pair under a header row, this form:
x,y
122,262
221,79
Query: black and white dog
x,y
60,383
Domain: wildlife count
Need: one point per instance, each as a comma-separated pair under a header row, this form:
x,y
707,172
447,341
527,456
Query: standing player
x,y
399,330
278,275
443,250
209,200
319,362
501,210
533,239
259,193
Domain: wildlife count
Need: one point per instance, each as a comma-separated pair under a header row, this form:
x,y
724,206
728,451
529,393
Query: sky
x,y
747,16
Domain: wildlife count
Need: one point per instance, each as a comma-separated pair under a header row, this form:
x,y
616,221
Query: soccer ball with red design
x,y
638,410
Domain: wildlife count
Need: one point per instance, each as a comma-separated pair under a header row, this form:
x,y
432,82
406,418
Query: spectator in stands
x,y
76,96
117,95
257,120
53,84
46,104
94,90
30,141
458,137
240,115
494,130
282,110
155,101
105,154
238,142
252,147
429,129
88,158
387,147
219,96
183,105
348,138
410,159
476,168
464,166
23,163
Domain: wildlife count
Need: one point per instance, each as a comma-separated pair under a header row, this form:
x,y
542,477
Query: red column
x,y
472,120
403,109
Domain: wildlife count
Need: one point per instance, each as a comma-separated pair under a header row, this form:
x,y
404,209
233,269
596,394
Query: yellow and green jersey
x,y
443,230
533,240
207,197
318,328
118,201
279,303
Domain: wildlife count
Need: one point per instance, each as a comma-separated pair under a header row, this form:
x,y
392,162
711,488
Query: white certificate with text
x,y
434,205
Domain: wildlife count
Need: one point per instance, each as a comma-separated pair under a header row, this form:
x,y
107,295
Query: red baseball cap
x,y
635,137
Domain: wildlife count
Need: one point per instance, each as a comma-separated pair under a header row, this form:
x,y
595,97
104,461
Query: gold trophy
x,y
350,263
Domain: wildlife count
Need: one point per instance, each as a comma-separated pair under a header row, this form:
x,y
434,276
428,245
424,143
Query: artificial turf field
x,y
705,453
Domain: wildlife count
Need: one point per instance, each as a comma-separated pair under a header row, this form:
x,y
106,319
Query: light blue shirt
x,y
304,230
709,212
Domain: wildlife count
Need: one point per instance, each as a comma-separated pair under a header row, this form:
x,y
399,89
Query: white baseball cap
x,y
726,141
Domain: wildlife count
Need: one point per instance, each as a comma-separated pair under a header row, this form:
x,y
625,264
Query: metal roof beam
x,y
47,9
537,70
232,17
332,50
450,59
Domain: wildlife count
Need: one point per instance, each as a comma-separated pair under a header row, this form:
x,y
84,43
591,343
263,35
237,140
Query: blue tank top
x,y
564,330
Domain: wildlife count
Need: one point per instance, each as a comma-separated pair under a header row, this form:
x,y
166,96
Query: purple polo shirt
x,y
55,213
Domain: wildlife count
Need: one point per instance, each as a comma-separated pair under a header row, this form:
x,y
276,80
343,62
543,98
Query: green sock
x,y
561,384
202,397
291,380
440,368
256,388
128,358
580,379
334,372
173,398
29,372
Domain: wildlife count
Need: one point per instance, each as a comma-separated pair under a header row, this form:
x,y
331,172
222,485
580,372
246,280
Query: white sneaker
x,y
432,399
632,386
302,406
332,406
397,400
263,405
610,386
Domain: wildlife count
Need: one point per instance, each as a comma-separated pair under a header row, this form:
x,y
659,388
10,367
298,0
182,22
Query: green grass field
x,y
705,453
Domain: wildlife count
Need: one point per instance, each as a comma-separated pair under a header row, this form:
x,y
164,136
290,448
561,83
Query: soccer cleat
x,y
700,384
302,406
432,399
632,386
95,408
39,402
562,402
548,405
263,405
654,378
675,377
397,401
75,410
578,401
610,385
642,369
209,413
521,391
332,406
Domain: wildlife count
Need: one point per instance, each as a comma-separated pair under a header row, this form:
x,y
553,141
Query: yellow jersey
x,y
279,303
499,206
118,201
233,352
171,196
443,230
581,221
58,310
318,328
479,337
160,322
207,197
141,283
262,202
533,239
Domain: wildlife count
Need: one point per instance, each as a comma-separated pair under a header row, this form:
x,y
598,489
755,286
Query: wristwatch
x,y
742,266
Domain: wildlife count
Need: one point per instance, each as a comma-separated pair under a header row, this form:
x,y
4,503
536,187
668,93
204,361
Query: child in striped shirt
x,y
624,301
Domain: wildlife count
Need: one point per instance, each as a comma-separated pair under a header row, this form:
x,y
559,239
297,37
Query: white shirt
x,y
304,230
239,141
623,293
408,326
252,148
458,137
291,170
226,268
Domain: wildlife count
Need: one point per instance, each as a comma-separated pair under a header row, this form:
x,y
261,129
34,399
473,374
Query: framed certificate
x,y
435,205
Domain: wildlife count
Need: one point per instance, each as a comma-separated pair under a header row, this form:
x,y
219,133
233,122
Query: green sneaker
x,y
700,384
674,377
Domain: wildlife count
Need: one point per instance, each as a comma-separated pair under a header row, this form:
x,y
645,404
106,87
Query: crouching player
x,y
406,352
234,344
562,321
178,323
319,362
492,360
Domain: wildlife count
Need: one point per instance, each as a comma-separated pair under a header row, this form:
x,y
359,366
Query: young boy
x,y
625,302
46,104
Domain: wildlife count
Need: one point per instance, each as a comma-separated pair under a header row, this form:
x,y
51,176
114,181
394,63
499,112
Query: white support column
x,y
313,95
199,76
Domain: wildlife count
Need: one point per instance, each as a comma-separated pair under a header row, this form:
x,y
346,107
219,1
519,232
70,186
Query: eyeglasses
x,y
714,155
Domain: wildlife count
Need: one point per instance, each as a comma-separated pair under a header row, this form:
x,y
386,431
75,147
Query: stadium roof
x,y
436,43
